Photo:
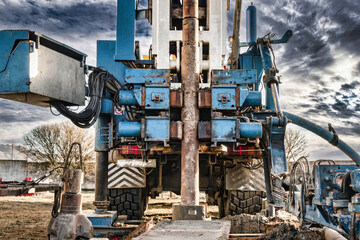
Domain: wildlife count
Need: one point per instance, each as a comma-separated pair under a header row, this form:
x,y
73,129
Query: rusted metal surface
x,y
70,203
176,99
73,180
190,9
71,199
176,130
190,39
236,35
204,131
178,12
142,228
204,98
190,111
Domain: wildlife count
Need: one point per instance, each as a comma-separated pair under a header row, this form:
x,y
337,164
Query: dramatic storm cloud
x,y
320,66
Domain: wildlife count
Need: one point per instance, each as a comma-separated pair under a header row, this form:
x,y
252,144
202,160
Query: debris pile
x,y
284,227
286,231
246,223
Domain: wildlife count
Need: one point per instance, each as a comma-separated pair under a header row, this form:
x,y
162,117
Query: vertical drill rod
x,y
190,111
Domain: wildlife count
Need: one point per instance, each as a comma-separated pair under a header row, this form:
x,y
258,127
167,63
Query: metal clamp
x,y
335,139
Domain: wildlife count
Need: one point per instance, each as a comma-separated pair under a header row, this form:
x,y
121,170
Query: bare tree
x,y
51,143
295,145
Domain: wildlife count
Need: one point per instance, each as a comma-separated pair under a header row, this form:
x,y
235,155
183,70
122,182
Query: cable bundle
x,y
98,80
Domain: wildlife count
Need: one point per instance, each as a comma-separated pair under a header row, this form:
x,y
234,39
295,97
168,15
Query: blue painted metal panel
x,y
253,99
277,146
250,130
7,41
345,221
105,59
252,60
147,76
127,97
102,220
14,77
233,76
157,97
251,24
243,95
355,180
267,65
128,129
224,97
125,30
157,129
106,106
328,136
223,130
138,93
278,158
102,133
322,176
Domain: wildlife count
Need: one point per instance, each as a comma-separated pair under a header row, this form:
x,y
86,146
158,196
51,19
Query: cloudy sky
x,y
320,66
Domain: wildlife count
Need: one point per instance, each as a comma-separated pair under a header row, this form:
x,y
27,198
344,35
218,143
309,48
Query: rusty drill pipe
x,y
191,9
190,111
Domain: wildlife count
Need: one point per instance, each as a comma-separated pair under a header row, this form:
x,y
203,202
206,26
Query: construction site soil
x,y
28,217
282,227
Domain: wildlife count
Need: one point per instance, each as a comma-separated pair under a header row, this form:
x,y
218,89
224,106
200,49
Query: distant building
x,y
16,163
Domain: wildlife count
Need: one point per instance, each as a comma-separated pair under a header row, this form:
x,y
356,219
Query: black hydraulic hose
x,y
99,81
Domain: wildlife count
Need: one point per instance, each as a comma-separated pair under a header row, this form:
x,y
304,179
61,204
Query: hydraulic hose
x,y
325,134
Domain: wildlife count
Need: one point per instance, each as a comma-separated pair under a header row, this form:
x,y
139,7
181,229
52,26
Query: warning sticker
x,y
117,111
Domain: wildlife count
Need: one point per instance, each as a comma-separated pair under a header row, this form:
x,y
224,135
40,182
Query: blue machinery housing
x,y
331,197
327,200
233,112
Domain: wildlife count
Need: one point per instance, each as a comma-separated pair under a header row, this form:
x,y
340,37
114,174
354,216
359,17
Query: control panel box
x,y
36,69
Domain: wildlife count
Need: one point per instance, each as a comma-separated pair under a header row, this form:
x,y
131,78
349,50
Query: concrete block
x,y
182,212
183,229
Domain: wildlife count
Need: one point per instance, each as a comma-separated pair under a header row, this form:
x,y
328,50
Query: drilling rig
x,y
182,117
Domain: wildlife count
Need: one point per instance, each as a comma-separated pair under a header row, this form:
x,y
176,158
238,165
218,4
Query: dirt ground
x,y
28,217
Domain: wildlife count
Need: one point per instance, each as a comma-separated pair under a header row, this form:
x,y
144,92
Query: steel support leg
x,y
101,180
